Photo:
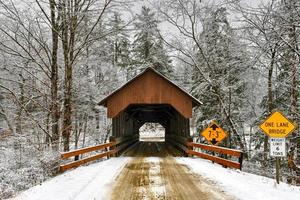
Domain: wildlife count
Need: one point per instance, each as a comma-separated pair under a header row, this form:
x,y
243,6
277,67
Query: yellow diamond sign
x,y
214,134
277,125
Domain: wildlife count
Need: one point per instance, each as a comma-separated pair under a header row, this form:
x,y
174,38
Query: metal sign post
x,y
277,149
277,127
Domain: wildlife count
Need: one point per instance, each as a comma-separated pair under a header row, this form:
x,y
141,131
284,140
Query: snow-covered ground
x,y
243,186
91,182
157,135
151,134
95,182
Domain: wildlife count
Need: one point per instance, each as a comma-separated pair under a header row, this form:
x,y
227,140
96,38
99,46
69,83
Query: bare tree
x,y
73,14
54,20
38,51
258,25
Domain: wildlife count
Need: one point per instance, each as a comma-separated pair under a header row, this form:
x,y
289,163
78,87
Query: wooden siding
x,y
123,125
150,88
179,126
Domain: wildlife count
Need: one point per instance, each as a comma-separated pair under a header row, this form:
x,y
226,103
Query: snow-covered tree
x,y
226,69
148,47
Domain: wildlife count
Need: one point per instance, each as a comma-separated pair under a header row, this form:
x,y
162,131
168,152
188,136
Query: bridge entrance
x,y
152,132
150,97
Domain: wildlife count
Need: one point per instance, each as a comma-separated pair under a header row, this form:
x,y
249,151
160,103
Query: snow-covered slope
x,y
84,183
242,185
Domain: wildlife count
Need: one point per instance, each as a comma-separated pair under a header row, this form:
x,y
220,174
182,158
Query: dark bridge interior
x,y
153,113
134,116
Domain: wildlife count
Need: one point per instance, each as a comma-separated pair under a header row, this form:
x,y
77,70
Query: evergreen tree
x,y
148,48
287,88
225,66
119,42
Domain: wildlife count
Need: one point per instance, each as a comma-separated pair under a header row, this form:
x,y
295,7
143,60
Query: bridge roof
x,y
149,87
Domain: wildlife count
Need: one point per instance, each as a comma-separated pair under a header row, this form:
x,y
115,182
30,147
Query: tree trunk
x,y
22,102
270,105
84,131
48,138
8,122
55,114
69,23
67,122
293,61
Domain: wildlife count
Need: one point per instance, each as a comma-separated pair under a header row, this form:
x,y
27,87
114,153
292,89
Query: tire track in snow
x,y
161,178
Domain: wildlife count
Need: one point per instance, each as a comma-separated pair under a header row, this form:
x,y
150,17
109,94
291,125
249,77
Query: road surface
x,y
154,174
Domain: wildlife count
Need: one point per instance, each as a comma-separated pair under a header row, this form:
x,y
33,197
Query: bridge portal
x,y
150,97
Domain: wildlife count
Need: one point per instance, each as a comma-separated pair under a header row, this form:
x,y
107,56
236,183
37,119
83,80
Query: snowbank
x,y
242,185
84,183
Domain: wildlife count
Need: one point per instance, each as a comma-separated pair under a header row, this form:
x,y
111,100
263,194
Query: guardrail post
x,y
112,148
241,160
189,147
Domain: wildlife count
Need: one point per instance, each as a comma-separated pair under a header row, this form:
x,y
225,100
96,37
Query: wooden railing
x,y
187,146
116,146
220,150
179,142
122,143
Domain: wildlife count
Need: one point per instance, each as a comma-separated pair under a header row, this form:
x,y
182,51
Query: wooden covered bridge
x,y
150,97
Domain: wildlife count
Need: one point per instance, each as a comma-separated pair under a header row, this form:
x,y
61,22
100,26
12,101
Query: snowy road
x,y
148,171
161,177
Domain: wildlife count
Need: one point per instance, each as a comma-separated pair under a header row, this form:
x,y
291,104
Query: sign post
x,y
277,127
277,150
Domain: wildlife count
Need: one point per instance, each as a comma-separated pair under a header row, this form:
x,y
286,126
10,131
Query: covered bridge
x,y
150,97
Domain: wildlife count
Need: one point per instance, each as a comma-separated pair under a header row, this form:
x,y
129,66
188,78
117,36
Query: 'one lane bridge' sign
x,y
277,126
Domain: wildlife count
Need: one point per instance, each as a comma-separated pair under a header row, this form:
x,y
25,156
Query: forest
x,y
59,58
